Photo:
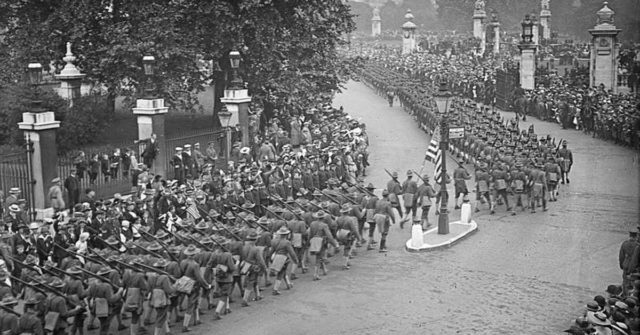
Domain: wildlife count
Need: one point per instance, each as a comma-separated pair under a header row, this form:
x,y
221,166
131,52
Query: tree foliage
x,y
288,46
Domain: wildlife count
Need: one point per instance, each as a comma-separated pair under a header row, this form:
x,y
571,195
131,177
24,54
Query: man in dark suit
x,y
150,151
72,185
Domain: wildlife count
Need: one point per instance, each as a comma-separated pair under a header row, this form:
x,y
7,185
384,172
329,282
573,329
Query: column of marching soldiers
x,y
177,249
513,167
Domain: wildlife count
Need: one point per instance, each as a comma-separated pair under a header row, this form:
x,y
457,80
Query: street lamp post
x,y
148,63
225,117
442,100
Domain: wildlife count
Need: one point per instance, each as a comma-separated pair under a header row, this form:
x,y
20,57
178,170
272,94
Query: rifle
x,y
199,244
361,189
336,200
153,253
152,269
316,206
34,287
390,175
289,207
101,278
419,176
109,245
164,246
558,147
270,211
225,227
10,310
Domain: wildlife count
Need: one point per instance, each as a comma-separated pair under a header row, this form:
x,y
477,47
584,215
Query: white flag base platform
x,y
431,240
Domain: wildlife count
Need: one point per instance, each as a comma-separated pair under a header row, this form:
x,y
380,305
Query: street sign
x,y
457,132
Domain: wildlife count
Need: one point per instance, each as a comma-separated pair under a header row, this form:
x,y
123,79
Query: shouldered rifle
x,y
162,244
158,271
10,310
34,287
390,175
423,180
101,278
289,207
337,200
153,253
361,189
198,243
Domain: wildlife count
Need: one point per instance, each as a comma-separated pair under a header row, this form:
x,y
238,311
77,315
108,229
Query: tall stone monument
x,y
479,15
376,23
603,65
527,55
70,78
545,15
408,34
496,33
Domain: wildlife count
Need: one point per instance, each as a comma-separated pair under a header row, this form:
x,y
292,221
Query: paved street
x,y
526,274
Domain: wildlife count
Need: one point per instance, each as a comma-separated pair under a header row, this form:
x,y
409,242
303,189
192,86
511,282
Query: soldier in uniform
x,y
552,171
424,197
384,217
394,190
409,190
499,179
483,179
518,182
460,176
567,161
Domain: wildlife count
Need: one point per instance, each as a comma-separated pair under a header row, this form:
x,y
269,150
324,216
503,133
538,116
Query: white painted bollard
x,y
417,238
465,211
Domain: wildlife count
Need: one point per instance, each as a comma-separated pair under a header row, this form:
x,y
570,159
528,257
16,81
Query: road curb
x,y
473,228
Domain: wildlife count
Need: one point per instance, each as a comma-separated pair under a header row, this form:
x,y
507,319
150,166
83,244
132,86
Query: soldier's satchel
x,y
408,199
518,185
369,214
343,235
158,298
553,176
102,307
133,301
483,186
221,271
393,199
184,284
277,262
245,267
51,320
501,184
537,189
315,245
426,201
296,240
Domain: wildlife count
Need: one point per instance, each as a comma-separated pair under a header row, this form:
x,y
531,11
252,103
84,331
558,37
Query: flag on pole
x,y
434,146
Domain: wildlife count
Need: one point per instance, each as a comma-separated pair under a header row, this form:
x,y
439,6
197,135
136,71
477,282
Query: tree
x,y
288,46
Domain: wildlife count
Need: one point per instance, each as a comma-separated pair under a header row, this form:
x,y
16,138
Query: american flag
x,y
434,154
434,146
193,212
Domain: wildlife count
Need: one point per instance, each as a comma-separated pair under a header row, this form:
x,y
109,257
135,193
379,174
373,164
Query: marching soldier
x,y
424,197
460,176
567,161
384,217
394,190
409,190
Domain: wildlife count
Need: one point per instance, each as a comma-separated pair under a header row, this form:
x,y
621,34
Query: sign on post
x,y
456,132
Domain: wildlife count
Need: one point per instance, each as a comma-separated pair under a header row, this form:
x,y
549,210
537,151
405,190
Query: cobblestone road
x,y
528,274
